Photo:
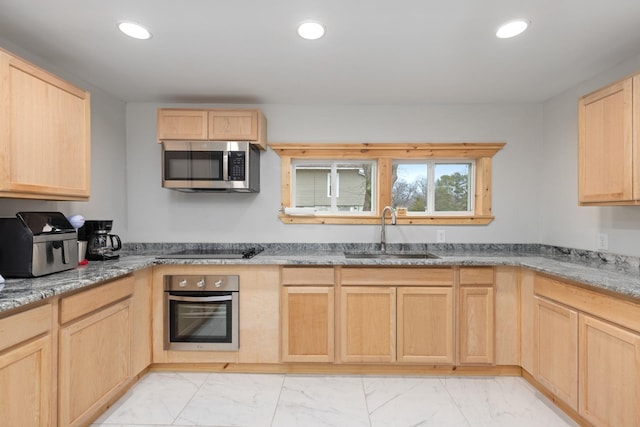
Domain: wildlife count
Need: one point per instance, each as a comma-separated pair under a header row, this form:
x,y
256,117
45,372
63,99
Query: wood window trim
x,y
384,154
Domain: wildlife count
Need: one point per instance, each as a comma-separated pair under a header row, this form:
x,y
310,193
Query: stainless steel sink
x,y
391,255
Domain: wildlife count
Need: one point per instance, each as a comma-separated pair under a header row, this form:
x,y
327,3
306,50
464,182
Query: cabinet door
x,y
605,149
25,384
94,361
476,325
556,350
425,325
609,374
368,324
307,324
45,134
233,125
182,124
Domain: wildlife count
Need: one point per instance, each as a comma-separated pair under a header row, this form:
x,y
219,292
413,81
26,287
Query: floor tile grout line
x,y
366,402
190,399
455,402
275,409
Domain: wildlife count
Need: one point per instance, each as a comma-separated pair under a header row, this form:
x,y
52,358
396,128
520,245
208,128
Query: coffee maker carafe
x,y
102,245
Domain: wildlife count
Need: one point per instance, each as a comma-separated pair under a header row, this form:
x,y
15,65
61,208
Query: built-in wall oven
x,y
202,312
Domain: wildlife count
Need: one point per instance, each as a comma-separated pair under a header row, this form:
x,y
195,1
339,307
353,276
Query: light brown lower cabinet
x,y
25,369
307,324
94,362
476,325
556,349
609,373
368,324
425,325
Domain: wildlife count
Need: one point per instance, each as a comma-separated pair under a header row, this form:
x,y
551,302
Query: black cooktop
x,y
214,253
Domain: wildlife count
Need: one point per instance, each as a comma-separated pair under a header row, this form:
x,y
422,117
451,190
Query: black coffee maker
x,y
101,245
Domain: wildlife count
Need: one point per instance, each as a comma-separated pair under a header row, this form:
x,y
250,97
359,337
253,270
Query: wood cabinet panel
x,y
212,125
233,125
425,325
507,323
25,325
45,134
394,276
609,373
475,276
614,309
527,319
476,325
182,124
25,384
141,322
608,157
368,324
307,324
94,362
307,276
556,350
87,301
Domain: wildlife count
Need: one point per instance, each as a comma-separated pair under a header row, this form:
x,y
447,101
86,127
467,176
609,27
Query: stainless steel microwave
x,y
215,166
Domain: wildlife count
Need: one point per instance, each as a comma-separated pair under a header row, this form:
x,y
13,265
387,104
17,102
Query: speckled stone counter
x,y
610,272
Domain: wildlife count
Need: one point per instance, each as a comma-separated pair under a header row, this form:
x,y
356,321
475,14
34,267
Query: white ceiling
x,y
374,52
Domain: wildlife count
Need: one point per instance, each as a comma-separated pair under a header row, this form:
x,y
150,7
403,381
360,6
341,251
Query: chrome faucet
x,y
383,235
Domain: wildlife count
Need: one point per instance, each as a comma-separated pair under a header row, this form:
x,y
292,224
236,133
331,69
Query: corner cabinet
x,y
44,134
609,145
212,125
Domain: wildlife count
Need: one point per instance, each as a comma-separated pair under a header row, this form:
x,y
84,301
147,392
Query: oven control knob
x,y
218,283
201,283
182,283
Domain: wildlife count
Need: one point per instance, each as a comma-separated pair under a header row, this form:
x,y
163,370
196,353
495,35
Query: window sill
x,y
403,220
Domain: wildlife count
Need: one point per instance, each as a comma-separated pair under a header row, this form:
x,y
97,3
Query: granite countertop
x,y
609,272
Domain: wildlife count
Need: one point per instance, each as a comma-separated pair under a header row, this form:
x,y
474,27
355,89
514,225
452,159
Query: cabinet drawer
x,y
85,302
624,313
476,276
25,325
307,276
390,276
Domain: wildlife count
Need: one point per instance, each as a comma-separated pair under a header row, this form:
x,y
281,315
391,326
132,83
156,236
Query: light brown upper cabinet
x,y
44,134
609,145
213,125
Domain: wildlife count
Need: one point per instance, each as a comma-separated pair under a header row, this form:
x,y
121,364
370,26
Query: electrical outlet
x,y
440,236
603,242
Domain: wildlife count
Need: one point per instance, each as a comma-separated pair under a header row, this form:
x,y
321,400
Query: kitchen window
x,y
443,183
343,187
433,187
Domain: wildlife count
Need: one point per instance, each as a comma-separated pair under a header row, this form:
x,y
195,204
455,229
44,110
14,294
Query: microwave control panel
x,y
237,162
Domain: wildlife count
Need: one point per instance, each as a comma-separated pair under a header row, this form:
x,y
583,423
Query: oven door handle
x,y
200,299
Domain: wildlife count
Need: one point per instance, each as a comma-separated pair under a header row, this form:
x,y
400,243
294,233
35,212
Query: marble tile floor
x,y
275,400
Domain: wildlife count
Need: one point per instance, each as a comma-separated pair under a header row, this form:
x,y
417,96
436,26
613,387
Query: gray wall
x,y
157,214
563,222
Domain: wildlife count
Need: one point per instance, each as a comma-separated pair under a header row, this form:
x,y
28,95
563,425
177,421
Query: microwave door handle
x,y
200,299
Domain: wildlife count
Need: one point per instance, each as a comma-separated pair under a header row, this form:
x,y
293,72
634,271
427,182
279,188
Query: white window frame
x,y
333,183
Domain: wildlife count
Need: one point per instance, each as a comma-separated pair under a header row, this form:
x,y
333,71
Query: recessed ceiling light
x,y
311,30
512,28
134,30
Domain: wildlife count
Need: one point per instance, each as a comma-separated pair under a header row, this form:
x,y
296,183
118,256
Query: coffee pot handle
x,y
118,243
